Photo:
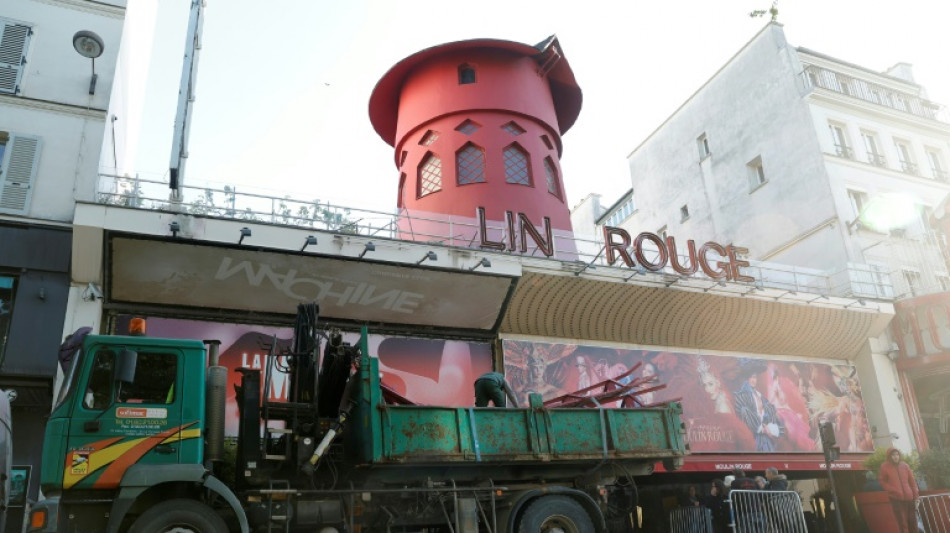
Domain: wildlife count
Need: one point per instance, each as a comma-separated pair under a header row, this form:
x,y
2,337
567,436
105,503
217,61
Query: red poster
x,y
730,404
427,371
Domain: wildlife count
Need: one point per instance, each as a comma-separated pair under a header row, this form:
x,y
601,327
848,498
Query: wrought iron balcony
x,y
877,160
909,167
844,151
838,82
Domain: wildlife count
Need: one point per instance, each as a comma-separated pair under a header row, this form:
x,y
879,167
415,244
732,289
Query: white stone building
x,y
819,164
64,105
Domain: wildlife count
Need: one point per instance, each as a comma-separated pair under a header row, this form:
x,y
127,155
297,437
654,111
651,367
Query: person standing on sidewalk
x,y
776,481
898,480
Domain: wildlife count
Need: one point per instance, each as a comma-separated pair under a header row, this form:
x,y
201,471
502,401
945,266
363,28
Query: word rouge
x,y
667,255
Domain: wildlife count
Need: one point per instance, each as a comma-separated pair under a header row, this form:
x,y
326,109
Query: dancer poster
x,y
730,404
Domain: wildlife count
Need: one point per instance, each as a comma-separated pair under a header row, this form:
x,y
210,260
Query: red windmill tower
x,y
476,126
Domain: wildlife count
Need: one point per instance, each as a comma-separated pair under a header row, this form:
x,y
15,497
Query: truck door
x,y
116,423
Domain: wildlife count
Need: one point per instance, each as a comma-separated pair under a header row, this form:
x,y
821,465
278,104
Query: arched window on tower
x,y
517,167
430,175
470,164
550,172
466,74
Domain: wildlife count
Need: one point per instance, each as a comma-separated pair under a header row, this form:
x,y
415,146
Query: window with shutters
x,y
430,175
550,172
14,40
470,164
19,157
517,168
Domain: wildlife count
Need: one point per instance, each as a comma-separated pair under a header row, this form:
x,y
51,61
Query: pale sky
x,y
283,86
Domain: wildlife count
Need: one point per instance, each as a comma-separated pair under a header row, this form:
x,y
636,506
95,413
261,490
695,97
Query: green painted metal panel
x,y
429,434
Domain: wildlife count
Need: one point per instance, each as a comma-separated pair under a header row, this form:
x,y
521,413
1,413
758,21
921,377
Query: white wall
x,y
54,101
752,107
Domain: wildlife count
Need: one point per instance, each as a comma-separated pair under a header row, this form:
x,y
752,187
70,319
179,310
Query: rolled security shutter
x,y
14,39
17,173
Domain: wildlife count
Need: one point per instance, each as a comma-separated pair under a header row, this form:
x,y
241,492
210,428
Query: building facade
x,y
829,167
57,66
445,309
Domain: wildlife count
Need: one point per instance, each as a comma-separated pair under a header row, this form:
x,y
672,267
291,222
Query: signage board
x,y
193,275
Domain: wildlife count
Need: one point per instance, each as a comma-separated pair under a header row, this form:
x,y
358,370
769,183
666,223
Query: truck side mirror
x,y
125,366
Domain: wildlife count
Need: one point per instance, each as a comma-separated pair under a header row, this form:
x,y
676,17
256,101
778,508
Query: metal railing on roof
x,y
576,253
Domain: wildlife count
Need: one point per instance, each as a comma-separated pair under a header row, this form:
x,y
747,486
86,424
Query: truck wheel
x,y
555,514
179,516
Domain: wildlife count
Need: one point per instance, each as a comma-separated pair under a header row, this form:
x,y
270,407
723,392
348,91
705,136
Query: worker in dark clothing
x,y
493,387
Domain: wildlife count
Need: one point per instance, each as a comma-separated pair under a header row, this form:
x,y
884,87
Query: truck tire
x,y
555,514
179,516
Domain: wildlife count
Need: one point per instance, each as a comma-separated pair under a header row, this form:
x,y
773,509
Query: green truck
x,y
136,443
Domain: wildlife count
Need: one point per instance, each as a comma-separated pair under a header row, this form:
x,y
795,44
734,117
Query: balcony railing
x,y
844,151
838,82
877,160
941,175
909,167
574,252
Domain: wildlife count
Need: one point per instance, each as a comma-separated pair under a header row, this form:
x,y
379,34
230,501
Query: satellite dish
x,y
88,44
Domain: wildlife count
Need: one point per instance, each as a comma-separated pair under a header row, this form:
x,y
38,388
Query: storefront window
x,y
7,292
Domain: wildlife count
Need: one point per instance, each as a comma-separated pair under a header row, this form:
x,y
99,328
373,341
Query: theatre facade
x,y
728,350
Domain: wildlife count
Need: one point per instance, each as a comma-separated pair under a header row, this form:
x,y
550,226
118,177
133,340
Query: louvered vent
x,y
12,45
18,178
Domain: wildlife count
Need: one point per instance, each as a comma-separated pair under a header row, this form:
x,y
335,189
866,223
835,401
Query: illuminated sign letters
x,y
525,227
649,250
726,267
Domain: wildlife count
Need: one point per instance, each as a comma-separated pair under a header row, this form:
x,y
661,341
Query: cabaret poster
x,y
730,404
426,371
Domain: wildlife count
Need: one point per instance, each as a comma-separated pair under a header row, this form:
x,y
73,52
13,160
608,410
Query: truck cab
x,y
131,414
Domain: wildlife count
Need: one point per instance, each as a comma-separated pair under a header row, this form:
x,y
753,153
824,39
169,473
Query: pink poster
x,y
730,404
427,371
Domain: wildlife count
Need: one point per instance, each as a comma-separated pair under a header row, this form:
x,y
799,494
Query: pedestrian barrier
x,y
763,511
934,512
691,520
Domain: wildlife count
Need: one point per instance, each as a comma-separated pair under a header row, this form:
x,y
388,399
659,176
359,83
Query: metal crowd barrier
x,y
691,520
763,511
934,512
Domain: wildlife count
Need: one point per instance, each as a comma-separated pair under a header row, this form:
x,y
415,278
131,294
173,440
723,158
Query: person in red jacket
x,y
899,482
